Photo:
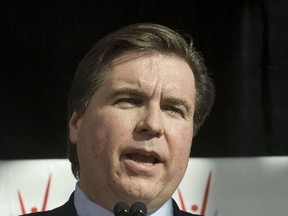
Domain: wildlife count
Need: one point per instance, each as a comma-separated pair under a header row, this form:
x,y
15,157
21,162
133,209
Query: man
x,y
137,99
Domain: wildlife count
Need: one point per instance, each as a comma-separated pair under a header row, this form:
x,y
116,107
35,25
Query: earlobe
x,y
74,127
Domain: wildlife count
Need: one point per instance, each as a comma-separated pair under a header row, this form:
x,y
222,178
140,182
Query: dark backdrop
x,y
245,44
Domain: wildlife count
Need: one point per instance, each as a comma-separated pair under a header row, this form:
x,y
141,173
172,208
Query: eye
x,y
174,111
127,102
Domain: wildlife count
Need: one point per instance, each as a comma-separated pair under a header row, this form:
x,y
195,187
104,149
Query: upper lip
x,y
144,151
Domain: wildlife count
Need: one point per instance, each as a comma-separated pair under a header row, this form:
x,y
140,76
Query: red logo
x,y
34,209
194,207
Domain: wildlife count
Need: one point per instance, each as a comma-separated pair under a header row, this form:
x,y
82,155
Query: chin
x,y
139,193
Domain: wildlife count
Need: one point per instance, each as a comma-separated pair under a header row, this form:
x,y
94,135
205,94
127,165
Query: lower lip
x,y
139,168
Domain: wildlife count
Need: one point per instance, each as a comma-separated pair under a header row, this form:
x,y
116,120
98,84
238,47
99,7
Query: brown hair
x,y
144,37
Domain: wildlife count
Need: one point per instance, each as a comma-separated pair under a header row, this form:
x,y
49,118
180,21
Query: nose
x,y
150,122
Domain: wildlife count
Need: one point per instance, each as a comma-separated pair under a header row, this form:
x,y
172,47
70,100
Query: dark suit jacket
x,y
68,209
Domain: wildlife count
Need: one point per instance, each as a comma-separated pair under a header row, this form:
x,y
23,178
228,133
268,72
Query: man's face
x,y
134,139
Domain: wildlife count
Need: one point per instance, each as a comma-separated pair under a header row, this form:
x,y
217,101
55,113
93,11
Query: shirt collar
x,y
86,207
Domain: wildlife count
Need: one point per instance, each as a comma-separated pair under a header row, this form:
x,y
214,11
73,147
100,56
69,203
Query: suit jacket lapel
x,y
178,212
68,209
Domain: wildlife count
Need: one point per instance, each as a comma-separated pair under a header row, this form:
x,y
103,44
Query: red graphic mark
x,y
34,209
204,204
194,207
46,194
181,201
21,203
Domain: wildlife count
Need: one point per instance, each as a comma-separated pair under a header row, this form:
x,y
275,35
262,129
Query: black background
x,y
245,44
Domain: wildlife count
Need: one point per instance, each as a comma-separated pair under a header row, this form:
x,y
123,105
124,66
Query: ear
x,y
74,127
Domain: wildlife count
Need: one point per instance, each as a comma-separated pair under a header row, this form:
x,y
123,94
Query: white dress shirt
x,y
85,207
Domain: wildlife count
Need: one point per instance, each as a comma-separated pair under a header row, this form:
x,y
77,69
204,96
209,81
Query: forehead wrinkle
x,y
157,87
129,56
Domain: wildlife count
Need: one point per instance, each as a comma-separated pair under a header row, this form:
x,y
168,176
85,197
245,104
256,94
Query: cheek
x,y
104,133
181,147
89,143
95,151
91,132
181,138
182,154
179,165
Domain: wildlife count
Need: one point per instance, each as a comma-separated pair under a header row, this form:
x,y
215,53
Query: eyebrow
x,y
138,93
128,91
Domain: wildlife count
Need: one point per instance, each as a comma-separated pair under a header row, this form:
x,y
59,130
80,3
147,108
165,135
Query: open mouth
x,y
144,158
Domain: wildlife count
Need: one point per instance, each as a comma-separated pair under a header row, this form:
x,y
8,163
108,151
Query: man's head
x,y
136,101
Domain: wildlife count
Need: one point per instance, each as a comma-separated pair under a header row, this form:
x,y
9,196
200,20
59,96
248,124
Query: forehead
x,y
144,66
152,73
